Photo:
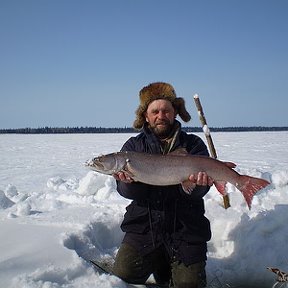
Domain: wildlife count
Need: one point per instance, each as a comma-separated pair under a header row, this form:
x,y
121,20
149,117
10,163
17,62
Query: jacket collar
x,y
160,146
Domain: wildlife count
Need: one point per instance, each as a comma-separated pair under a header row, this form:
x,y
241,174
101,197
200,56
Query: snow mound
x,y
280,178
5,202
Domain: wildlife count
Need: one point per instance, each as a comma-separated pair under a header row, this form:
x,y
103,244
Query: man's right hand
x,y
122,176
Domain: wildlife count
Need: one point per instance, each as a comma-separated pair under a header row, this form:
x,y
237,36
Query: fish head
x,y
106,164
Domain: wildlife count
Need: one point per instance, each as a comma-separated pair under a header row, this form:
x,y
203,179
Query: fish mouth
x,y
88,163
94,163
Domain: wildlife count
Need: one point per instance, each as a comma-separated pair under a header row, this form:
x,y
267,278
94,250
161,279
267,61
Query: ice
x,y
55,214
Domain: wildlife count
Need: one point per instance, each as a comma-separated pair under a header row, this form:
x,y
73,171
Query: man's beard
x,y
162,131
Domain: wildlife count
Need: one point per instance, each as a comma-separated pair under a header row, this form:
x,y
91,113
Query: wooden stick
x,y
211,146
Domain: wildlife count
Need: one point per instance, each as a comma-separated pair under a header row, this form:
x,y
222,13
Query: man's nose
x,y
161,115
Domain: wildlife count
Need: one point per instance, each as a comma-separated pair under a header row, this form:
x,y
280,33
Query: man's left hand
x,y
201,179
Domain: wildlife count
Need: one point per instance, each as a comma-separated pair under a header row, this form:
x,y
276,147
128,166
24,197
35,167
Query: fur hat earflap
x,y
159,90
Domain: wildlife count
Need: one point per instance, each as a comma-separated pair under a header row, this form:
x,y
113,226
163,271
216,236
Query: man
x,y
166,232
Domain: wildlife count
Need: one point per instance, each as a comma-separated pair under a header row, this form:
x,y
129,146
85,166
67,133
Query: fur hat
x,y
159,90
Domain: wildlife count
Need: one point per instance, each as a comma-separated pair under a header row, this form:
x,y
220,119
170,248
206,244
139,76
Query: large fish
x,y
172,169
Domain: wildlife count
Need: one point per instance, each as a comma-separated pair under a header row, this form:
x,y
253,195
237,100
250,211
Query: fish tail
x,y
249,186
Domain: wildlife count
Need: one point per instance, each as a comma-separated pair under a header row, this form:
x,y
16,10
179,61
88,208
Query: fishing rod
x,y
208,136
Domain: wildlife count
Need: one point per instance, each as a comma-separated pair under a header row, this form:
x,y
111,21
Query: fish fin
x,y
179,152
249,186
230,164
127,169
221,187
188,186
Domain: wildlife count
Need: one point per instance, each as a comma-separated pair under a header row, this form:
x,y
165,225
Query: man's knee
x,y
129,265
192,276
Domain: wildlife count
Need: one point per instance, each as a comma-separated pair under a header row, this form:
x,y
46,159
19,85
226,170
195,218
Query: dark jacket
x,y
166,214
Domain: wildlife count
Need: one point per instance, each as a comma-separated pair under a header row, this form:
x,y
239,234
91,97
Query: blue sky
x,y
83,62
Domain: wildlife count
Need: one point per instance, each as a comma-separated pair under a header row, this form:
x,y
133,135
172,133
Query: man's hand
x,y
122,176
201,179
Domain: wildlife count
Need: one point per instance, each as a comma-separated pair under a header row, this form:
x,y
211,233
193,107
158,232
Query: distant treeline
x,y
79,130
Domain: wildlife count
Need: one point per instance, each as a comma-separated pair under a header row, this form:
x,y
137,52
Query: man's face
x,y
160,115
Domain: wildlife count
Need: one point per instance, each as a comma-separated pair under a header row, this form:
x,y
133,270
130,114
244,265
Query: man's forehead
x,y
159,104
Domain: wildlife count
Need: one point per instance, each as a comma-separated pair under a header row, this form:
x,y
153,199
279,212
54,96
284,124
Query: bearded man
x,y
166,232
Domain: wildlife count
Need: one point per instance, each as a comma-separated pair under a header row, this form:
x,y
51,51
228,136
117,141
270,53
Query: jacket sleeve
x,y
135,190
196,146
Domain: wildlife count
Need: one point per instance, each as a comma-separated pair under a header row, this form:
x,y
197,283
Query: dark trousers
x,y
133,268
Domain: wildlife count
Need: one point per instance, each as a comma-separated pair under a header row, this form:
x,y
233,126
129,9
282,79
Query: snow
x,y
55,214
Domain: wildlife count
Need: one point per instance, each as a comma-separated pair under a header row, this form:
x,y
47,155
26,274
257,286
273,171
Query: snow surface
x,y
55,214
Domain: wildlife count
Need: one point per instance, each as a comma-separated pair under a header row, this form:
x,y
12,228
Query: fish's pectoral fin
x,y
129,177
221,187
127,169
188,186
127,172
